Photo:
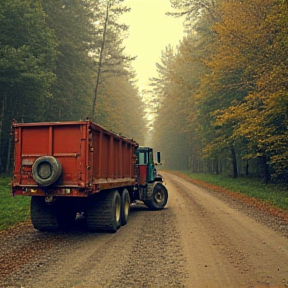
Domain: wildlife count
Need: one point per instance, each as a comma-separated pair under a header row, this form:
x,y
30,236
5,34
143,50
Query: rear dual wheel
x,y
106,211
103,211
56,215
43,216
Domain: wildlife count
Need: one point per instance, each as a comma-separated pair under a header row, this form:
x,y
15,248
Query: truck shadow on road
x,y
134,207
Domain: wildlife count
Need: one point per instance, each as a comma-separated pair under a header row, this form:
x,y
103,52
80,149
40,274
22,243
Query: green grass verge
x,y
12,209
17,209
274,194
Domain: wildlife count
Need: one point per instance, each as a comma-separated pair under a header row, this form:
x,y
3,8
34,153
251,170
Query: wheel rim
x,y
159,196
44,170
117,209
126,207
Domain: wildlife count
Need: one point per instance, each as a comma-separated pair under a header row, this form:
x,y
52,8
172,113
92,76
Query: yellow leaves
x,y
244,61
227,85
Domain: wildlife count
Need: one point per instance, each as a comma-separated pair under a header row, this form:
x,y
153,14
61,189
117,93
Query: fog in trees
x,y
49,66
222,95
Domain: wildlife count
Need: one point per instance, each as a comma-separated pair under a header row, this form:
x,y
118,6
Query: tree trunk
x,y
234,162
101,57
216,166
191,164
209,164
1,125
9,156
220,167
247,168
265,168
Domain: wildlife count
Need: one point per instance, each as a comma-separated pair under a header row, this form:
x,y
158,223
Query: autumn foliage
x,y
226,87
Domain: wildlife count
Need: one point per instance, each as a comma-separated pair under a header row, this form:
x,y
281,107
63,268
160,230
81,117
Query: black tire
x,y
43,216
46,170
103,211
159,197
125,206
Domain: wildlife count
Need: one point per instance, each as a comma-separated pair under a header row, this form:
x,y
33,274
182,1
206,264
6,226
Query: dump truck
x,y
79,171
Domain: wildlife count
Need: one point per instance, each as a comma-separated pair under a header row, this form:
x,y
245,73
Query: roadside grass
x,y
12,209
273,194
17,209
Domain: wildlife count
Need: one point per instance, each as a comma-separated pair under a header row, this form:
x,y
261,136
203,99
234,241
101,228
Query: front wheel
x,y
159,197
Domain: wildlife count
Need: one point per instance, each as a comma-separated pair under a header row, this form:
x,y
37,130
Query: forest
x,y
64,60
221,96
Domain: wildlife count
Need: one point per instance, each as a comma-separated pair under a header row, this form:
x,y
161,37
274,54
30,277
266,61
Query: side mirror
x,y
158,158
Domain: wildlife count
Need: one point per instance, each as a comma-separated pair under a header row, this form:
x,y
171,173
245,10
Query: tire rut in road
x,y
217,230
156,258
144,253
249,249
270,216
213,230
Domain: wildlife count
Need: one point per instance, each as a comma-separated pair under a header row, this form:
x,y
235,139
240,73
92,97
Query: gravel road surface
x,y
201,239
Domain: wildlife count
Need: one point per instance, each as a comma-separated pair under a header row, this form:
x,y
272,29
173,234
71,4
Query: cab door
x,y
150,166
142,166
146,166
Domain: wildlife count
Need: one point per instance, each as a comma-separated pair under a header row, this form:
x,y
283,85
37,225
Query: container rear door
x,y
67,143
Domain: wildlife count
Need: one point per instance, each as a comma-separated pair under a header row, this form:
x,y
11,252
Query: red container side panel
x,y
112,157
117,163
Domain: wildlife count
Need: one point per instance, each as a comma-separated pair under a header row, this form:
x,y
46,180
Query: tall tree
x,y
28,50
110,33
48,51
71,21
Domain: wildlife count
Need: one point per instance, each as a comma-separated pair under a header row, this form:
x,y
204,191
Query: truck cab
x,y
146,165
150,188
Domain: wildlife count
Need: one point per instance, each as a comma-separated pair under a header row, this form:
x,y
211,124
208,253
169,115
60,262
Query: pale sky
x,y
149,33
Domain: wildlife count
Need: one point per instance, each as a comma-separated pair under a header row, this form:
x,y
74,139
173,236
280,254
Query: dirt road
x,y
199,240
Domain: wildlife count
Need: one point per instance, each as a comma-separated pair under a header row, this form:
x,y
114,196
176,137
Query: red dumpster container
x,y
77,158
